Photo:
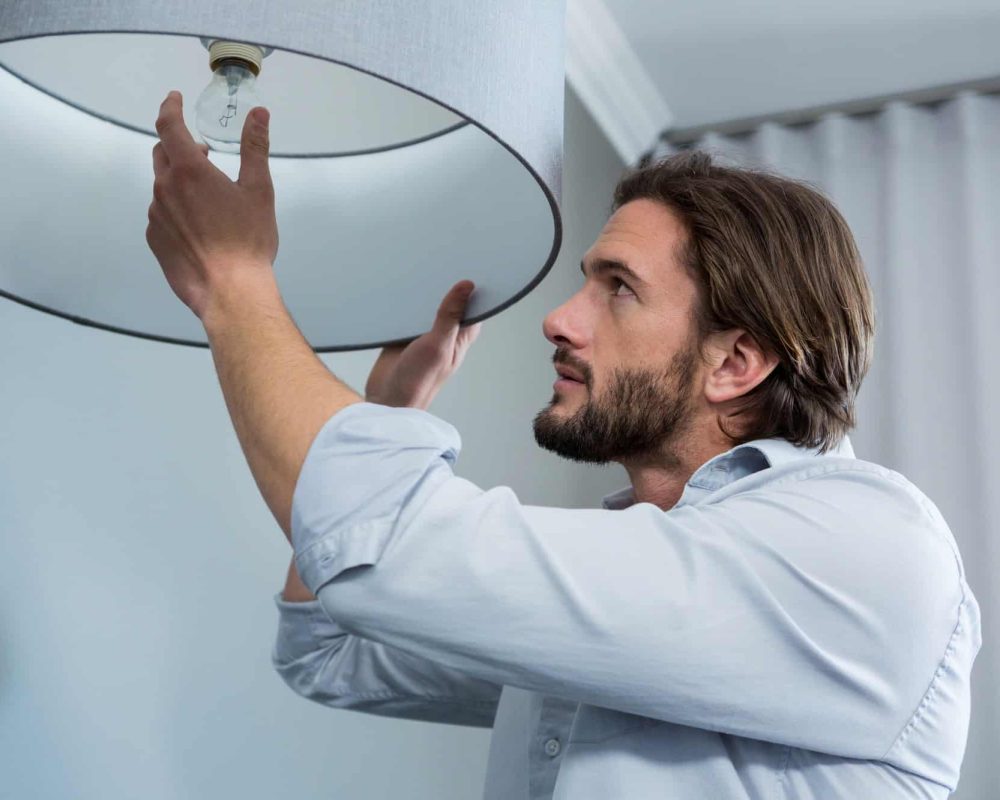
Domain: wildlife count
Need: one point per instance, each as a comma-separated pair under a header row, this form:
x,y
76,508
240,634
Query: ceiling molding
x,y
606,74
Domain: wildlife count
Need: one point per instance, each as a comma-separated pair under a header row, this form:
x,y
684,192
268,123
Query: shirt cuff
x,y
300,627
362,467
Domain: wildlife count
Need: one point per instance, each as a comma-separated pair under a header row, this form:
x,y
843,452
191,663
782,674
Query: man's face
x,y
630,338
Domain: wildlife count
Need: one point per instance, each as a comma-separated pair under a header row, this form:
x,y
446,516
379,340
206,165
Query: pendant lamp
x,y
413,144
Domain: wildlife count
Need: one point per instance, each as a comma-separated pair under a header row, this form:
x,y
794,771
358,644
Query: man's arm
x,y
279,394
216,241
321,661
295,590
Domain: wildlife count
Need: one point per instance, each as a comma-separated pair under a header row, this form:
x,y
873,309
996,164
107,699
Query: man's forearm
x,y
279,394
295,590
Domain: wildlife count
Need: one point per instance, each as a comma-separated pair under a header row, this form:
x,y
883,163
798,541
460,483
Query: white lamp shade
x,y
413,145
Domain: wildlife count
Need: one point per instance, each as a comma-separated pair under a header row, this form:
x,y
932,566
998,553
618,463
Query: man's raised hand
x,y
411,375
204,229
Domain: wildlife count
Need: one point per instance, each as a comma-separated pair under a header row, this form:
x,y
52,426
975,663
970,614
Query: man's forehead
x,y
643,234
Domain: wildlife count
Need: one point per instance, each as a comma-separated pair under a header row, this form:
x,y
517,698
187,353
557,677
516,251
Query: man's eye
x,y
618,284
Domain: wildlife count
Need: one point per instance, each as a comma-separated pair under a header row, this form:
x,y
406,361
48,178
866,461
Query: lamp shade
x,y
413,144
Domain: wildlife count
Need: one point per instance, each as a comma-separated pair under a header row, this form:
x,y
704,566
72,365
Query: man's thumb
x,y
254,147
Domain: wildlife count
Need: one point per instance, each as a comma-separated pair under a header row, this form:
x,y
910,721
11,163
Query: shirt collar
x,y
725,468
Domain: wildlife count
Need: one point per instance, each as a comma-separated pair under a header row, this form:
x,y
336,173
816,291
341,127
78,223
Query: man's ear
x,y
737,364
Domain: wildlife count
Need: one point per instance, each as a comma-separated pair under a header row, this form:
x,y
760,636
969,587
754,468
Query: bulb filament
x,y
231,104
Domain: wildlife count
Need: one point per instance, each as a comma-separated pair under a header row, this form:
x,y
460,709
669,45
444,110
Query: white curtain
x,y
920,188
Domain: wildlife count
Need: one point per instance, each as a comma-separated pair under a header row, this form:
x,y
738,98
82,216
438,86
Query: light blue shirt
x,y
797,626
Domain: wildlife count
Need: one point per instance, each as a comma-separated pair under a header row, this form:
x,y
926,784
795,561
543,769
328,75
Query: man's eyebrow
x,y
603,266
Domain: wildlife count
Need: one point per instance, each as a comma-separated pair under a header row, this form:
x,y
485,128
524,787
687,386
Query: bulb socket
x,y
249,55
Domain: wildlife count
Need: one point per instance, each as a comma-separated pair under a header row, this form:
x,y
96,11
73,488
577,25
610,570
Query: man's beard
x,y
637,416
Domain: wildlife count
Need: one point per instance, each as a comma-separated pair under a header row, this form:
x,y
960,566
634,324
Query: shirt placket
x,y
549,741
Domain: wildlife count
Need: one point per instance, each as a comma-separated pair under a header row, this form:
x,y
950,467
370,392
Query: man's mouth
x,y
567,379
569,375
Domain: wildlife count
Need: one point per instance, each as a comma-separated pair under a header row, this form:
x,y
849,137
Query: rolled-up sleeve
x,y
752,615
321,661
361,470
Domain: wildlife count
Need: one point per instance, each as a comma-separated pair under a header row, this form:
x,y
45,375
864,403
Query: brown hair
x,y
774,257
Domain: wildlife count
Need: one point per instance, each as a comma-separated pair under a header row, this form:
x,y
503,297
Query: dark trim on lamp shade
x,y
89,323
153,134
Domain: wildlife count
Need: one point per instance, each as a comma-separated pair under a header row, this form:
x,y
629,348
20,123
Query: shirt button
x,y
552,748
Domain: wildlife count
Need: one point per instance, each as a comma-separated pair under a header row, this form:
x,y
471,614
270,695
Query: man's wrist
x,y
239,292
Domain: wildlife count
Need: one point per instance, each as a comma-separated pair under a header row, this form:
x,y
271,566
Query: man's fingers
x,y
176,138
254,149
160,160
452,308
469,334
388,355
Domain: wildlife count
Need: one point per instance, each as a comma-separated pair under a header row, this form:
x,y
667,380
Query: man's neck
x,y
661,480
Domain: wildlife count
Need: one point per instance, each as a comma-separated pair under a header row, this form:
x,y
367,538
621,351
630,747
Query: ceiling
x,y
715,60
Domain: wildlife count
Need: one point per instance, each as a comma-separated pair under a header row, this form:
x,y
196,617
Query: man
x,y
758,615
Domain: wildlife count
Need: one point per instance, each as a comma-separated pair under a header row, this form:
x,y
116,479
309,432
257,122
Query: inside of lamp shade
x,y
369,243
317,106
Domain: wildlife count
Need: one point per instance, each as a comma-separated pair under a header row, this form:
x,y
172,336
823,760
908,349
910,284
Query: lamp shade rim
x,y
331,154
89,323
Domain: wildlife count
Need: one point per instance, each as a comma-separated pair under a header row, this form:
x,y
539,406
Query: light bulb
x,y
223,106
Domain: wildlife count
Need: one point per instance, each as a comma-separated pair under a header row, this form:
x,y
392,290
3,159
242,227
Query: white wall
x,y
138,562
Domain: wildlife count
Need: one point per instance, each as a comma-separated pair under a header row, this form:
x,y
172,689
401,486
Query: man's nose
x,y
562,326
